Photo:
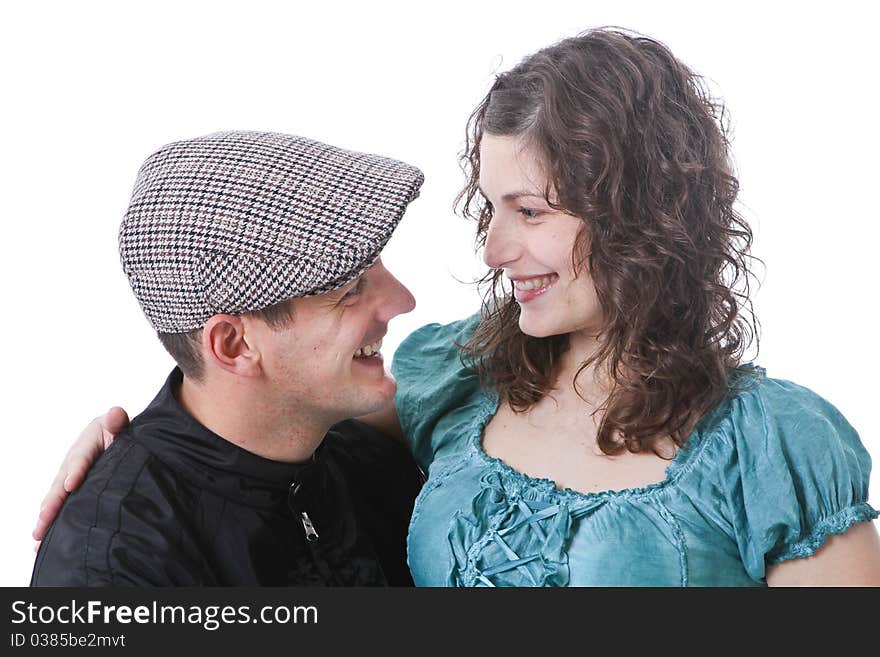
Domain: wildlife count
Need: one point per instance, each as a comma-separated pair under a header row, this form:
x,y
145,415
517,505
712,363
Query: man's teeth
x,y
534,283
368,350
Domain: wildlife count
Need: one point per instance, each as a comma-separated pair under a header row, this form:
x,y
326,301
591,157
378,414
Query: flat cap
x,y
233,222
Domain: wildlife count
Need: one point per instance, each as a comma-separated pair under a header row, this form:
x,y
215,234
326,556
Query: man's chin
x,y
375,397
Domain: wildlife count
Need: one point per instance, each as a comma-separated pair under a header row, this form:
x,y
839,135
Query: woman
x,y
594,424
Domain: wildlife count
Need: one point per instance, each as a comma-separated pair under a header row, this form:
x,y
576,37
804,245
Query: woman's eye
x,y
529,213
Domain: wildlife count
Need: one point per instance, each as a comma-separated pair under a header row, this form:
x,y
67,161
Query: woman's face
x,y
533,243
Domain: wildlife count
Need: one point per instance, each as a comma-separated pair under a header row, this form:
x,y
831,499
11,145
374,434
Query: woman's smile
x,y
528,289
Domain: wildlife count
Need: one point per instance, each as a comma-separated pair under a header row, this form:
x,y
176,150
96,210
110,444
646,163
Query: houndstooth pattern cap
x,y
234,222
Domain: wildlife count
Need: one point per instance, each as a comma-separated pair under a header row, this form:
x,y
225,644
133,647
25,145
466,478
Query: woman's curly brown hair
x,y
634,145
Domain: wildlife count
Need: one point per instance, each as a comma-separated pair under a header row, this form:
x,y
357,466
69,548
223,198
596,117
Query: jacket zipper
x,y
311,534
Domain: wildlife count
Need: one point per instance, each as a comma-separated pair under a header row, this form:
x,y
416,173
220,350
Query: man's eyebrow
x,y
342,290
513,196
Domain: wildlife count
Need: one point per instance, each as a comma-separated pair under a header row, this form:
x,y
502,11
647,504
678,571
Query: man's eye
x,y
356,290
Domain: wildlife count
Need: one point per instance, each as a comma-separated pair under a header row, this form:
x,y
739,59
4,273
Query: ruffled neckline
x,y
683,461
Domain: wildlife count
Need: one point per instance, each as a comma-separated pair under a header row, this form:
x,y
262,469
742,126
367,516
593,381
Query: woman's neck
x,y
582,345
593,386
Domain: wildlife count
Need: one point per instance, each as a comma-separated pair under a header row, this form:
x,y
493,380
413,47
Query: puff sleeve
x,y
793,471
435,391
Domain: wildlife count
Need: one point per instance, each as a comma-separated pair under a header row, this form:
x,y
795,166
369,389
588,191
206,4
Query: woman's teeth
x,y
535,283
369,350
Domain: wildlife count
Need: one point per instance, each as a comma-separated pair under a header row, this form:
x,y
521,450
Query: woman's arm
x,y
92,441
99,434
848,559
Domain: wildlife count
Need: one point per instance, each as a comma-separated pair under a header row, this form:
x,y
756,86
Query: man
x,y
255,256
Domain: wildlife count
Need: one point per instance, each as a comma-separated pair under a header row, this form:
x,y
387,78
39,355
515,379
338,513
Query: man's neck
x,y
247,418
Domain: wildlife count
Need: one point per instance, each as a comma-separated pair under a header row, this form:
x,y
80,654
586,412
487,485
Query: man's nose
x,y
396,298
501,242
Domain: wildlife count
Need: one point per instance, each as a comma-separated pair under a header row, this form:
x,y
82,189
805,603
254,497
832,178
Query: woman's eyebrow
x,y
513,196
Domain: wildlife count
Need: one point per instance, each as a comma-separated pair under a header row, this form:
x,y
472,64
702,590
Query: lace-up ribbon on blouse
x,y
480,542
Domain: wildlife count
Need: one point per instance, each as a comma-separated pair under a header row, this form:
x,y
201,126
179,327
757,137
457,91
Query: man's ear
x,y
225,344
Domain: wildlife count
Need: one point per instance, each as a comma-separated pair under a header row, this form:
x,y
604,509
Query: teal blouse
x,y
766,476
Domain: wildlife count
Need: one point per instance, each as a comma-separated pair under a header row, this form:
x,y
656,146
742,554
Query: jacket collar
x,y
210,461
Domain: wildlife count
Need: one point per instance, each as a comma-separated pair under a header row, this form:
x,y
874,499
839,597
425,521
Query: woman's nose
x,y
501,243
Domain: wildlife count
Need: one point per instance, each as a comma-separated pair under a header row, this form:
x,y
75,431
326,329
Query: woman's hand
x,y
94,439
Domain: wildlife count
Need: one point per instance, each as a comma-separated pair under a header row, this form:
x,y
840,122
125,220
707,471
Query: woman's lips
x,y
525,290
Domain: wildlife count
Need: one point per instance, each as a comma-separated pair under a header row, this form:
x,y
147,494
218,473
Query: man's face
x,y
326,361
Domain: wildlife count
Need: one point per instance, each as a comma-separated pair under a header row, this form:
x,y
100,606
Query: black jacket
x,y
172,504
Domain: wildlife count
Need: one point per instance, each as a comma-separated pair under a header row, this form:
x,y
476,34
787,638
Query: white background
x,y
89,89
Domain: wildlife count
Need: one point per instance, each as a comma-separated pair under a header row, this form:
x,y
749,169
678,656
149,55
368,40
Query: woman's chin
x,y
544,327
538,329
